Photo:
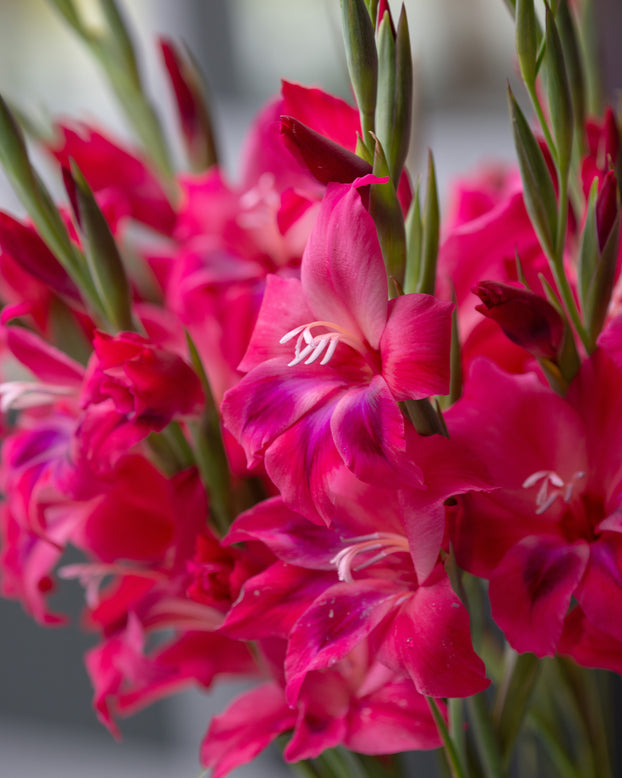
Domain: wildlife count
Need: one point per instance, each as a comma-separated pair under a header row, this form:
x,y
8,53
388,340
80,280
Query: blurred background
x,y
463,54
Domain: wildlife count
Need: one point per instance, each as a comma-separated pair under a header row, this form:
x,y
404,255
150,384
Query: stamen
x,y
309,348
383,543
552,487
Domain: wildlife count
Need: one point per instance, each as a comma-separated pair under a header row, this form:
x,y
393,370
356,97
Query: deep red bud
x,y
606,208
325,159
72,194
186,103
527,319
26,248
612,136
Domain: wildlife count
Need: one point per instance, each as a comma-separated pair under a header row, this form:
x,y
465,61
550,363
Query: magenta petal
x,y
336,621
368,430
283,308
430,639
272,601
248,726
289,536
48,363
587,645
302,462
393,719
314,735
343,273
270,399
600,591
415,346
530,591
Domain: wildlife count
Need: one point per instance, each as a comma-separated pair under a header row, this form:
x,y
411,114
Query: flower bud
x,y
325,159
196,124
527,319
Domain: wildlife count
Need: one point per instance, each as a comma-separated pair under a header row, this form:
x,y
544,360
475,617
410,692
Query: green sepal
x,y
455,358
414,242
386,212
560,372
559,100
574,64
527,33
588,249
426,282
362,59
111,45
538,190
393,116
209,451
102,255
601,287
199,138
39,204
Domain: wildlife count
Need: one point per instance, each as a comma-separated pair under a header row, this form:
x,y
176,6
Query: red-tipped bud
x,y
383,8
526,318
606,209
193,111
612,137
323,158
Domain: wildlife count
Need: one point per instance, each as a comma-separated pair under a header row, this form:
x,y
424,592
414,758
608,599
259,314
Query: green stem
x,y
542,121
451,752
485,738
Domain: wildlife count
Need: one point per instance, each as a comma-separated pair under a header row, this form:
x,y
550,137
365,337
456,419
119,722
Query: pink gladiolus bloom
x,y
357,703
551,531
329,359
333,588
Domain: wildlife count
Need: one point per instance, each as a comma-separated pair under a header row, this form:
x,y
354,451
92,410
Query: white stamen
x,y
309,348
552,487
387,542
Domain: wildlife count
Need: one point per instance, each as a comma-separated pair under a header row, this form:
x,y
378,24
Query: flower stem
x,y
451,752
485,737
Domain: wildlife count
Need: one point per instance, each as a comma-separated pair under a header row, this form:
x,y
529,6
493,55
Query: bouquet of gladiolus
x,y
305,436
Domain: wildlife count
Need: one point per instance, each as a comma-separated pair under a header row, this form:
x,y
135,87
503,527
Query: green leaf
x,y
558,92
386,212
527,30
102,255
414,243
431,233
538,188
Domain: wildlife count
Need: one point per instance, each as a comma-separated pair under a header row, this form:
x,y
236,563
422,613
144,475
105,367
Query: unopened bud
x,y
325,159
527,319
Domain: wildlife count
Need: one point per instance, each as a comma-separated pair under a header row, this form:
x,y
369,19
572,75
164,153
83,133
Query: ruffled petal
x,y
343,273
415,346
531,589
